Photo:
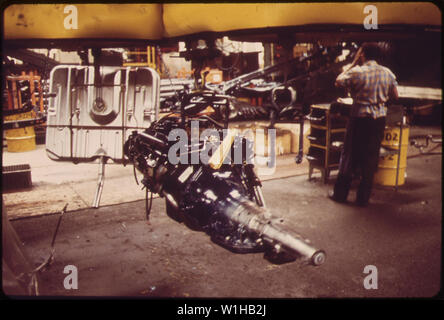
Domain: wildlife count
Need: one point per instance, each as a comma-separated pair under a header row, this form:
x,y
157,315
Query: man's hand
x,y
357,58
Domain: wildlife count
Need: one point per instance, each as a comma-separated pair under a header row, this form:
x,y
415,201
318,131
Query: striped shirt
x,y
370,86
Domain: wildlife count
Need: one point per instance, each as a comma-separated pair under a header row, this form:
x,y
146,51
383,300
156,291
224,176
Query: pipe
x,y
253,218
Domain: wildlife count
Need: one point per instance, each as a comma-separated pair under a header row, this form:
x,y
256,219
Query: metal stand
x,y
399,156
300,154
100,182
323,155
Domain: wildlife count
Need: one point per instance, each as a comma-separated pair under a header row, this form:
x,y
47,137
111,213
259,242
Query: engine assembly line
x,y
226,202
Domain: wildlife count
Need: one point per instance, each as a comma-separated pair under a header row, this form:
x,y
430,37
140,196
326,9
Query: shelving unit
x,y
327,133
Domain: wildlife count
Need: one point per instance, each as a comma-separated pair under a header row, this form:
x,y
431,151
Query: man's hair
x,y
371,50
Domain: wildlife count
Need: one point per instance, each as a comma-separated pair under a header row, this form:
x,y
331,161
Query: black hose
x,y
135,173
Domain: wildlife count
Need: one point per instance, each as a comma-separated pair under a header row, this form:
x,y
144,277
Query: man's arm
x,y
394,93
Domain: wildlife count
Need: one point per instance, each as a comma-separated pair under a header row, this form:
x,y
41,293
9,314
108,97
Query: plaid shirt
x,y
370,87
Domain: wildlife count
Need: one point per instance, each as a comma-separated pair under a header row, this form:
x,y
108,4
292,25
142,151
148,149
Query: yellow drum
x,y
20,139
389,167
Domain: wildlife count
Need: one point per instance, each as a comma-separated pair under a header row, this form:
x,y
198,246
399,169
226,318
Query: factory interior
x,y
187,151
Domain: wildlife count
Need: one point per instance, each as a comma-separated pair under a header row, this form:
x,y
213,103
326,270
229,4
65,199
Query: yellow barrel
x,y
388,164
20,139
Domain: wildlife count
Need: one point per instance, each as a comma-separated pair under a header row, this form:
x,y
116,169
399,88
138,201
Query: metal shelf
x,y
322,113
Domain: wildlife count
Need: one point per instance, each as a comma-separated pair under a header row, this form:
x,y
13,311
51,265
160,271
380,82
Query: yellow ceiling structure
x,y
157,21
183,19
62,21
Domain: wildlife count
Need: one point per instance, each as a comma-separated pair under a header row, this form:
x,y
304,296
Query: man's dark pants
x,y
360,155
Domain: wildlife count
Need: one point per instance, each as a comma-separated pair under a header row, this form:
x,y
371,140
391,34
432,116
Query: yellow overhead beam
x,y
183,19
79,21
157,21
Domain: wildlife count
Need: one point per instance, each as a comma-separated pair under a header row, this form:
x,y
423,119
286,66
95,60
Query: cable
x,y
33,282
426,153
135,173
421,147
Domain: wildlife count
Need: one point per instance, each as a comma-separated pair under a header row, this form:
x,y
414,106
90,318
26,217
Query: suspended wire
x,y
33,285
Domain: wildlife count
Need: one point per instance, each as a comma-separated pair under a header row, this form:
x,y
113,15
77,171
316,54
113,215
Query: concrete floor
x,y
118,253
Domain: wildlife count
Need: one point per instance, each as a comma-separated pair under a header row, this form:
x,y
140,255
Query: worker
x,y
371,86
